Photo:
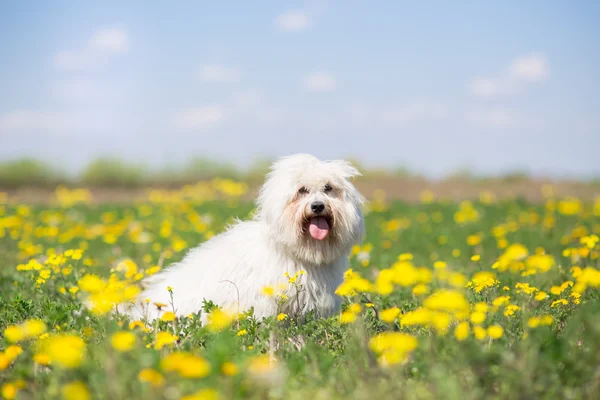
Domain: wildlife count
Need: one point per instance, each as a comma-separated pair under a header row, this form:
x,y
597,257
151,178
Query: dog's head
x,y
312,207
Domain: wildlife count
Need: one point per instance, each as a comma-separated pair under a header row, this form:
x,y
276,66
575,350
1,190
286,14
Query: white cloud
x,y
219,73
103,44
497,117
522,71
76,89
320,82
487,87
292,21
199,117
252,106
397,115
533,67
54,122
112,40
248,99
409,113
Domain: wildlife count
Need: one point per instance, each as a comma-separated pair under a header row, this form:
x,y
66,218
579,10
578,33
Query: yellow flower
x,y
41,359
511,309
392,347
389,315
558,302
482,280
500,301
12,352
67,351
242,332
229,369
204,394
462,331
420,289
440,321
219,320
9,390
137,324
28,329
123,341
168,316
75,391
14,334
477,317
163,339
91,283
481,307
187,365
479,332
151,376
474,240
495,331
268,291
354,308
347,317
541,296
33,328
450,301
405,257
533,322
570,206
281,316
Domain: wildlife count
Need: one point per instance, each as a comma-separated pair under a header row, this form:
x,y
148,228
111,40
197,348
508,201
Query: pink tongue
x,y
319,228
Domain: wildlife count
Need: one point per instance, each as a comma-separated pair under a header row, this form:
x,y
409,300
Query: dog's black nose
x,y
317,207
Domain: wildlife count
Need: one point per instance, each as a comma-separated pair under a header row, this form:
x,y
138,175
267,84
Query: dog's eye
x,y
303,190
327,188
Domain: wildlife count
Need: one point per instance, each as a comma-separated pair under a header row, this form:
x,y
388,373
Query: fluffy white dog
x,y
308,217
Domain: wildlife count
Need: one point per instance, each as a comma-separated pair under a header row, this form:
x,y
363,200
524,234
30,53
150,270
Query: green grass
x,y
318,358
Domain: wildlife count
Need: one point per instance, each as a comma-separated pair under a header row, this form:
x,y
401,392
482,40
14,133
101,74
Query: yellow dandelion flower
x,y
479,332
151,376
219,320
229,369
281,316
347,317
461,332
477,317
168,316
268,291
164,339
541,296
495,331
75,391
420,289
67,351
559,302
390,314
123,341
204,394
41,359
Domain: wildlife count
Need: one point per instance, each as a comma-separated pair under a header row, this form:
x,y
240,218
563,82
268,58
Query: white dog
x,y
308,217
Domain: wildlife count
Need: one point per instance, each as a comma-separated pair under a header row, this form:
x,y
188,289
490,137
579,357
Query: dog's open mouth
x,y
319,226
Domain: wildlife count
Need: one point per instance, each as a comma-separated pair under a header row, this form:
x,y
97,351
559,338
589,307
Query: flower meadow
x,y
487,298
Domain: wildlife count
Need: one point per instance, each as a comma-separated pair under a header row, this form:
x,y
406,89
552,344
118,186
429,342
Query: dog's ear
x,y
344,168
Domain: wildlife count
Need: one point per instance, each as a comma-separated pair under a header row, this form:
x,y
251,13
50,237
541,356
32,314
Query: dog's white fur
x,y
232,268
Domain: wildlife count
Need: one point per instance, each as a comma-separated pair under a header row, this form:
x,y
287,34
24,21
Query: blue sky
x,y
434,86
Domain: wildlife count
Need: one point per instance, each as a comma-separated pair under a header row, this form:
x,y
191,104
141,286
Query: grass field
x,y
483,299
